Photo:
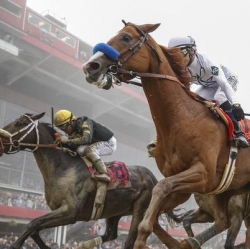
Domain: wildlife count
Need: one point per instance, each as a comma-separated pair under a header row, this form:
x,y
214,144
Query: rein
x,y
150,75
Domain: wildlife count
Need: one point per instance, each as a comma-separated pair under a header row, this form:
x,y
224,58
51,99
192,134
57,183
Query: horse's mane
x,y
53,129
176,62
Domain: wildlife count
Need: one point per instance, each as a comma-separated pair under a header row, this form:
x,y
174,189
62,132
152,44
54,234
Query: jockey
x,y
91,138
215,82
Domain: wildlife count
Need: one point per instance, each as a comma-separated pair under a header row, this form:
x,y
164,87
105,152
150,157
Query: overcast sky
x,y
220,27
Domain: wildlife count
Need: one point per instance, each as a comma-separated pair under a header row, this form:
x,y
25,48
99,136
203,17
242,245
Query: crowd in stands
x,y
21,199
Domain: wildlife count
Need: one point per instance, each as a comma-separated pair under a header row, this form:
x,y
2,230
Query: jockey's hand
x,y
62,139
238,112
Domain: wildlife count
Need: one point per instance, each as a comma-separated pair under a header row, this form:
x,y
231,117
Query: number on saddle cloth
x,y
119,169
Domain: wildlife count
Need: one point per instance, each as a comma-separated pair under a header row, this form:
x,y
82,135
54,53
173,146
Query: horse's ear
x,y
124,22
37,116
151,27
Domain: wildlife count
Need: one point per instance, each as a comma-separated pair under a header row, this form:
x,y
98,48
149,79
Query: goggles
x,y
185,50
64,126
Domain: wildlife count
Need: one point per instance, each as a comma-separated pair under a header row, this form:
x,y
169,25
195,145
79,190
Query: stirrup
x,y
241,141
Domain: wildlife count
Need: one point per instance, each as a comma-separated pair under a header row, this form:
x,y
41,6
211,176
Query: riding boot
x,y
240,138
98,164
239,135
101,168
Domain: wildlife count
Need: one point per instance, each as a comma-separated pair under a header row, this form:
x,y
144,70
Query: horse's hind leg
x,y
139,209
110,234
111,231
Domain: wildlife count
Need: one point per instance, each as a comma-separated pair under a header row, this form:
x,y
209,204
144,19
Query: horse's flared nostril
x,y
91,67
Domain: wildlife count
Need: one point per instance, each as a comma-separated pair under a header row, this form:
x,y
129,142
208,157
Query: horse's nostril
x,y
93,66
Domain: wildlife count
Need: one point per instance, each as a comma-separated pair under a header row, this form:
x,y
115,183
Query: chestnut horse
x,y
69,187
238,211
192,143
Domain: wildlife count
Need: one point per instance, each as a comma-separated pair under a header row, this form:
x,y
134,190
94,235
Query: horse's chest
x,y
62,190
171,164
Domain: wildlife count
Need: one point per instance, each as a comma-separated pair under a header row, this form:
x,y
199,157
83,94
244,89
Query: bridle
x,y
116,69
14,145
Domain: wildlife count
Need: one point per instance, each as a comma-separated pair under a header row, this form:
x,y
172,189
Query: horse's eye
x,y
126,38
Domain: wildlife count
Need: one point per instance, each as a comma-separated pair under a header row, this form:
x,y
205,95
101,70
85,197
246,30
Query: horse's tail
x,y
174,218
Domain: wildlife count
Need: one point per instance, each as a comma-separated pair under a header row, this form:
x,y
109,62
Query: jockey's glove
x,y
63,140
237,112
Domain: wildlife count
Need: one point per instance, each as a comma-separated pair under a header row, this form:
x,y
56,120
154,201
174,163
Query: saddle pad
x,y
118,172
245,127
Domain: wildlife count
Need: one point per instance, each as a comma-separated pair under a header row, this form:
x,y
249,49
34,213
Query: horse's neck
x,y
47,160
167,99
170,105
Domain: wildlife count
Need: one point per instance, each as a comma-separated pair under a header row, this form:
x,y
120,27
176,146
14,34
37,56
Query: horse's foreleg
x,y
36,237
59,217
159,202
165,237
151,215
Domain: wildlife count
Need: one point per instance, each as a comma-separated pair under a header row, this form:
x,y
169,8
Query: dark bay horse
x,y
238,211
192,144
69,188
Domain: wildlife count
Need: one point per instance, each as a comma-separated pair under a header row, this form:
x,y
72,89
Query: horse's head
x,y
22,130
111,62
